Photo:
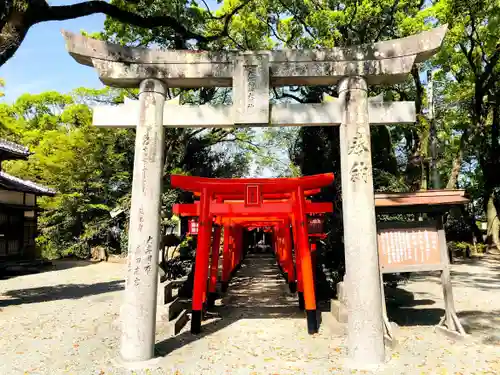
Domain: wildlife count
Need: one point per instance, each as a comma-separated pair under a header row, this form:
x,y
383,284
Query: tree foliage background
x,y
91,168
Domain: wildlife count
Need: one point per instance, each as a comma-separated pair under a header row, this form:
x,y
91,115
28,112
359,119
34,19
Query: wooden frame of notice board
x,y
418,246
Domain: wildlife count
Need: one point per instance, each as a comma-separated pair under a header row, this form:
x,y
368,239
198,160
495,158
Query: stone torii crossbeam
x,y
251,74
285,114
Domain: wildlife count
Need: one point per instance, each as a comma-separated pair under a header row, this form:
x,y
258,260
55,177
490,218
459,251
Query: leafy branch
x,y
18,16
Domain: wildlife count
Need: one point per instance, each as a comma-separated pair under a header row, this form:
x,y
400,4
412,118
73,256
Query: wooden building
x,y
18,208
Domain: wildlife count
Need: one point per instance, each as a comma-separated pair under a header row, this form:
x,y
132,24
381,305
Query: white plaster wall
x,y
11,197
30,199
29,214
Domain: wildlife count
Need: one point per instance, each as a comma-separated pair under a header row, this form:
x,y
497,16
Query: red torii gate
x,y
276,200
314,231
281,211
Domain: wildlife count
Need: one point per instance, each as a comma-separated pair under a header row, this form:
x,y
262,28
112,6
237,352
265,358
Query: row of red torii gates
x,y
278,204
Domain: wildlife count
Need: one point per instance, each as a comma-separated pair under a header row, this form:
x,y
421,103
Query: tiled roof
x,y
24,185
14,148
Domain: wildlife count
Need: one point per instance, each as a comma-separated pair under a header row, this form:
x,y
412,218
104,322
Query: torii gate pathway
x,y
257,329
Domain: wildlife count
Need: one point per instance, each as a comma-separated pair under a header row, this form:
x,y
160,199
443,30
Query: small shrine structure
x,y
18,208
413,246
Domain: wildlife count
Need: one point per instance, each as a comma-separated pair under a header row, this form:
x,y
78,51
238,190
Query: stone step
x,y
175,326
167,292
341,292
170,310
339,311
177,283
175,293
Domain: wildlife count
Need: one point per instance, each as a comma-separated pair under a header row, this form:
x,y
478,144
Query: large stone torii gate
x,y
251,74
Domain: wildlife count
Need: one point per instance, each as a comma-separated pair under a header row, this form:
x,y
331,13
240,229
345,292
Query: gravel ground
x,y
62,322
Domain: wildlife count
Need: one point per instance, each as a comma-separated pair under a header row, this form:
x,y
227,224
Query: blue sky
x,y
42,63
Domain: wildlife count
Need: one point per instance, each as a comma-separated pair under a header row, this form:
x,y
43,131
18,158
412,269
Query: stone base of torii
x,y
251,75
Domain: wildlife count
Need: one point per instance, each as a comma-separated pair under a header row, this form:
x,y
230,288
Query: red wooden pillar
x,y
214,267
237,248
281,252
275,245
306,263
298,268
285,257
201,261
232,249
289,259
226,258
314,248
234,243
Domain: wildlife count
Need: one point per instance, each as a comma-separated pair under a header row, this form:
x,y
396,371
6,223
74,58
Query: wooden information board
x,y
416,246
405,248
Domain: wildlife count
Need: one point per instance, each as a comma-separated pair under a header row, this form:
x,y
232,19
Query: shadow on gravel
x,y
12,269
405,310
475,277
484,324
58,292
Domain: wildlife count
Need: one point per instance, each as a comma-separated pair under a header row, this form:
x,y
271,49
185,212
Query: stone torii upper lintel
x,y
386,62
422,45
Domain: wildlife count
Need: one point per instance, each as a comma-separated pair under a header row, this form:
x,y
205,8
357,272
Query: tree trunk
x,y
492,234
416,169
13,30
457,161
424,181
489,166
455,170
469,219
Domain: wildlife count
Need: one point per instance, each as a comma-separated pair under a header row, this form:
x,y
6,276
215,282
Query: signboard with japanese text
x,y
193,226
315,225
408,249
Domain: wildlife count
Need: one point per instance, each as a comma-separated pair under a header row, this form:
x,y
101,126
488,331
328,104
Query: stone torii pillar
x,y
251,74
139,307
360,228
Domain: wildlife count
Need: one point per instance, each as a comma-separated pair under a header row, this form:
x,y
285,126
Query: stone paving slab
x,y
61,322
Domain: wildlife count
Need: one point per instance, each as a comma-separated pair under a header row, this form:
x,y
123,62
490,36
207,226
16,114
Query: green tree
x,y
91,168
470,63
466,114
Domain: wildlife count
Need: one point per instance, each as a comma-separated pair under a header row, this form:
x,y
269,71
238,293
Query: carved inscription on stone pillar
x,y
142,263
360,147
251,72
359,171
251,89
359,144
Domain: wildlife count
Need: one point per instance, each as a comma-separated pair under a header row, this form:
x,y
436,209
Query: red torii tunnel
x,y
278,204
